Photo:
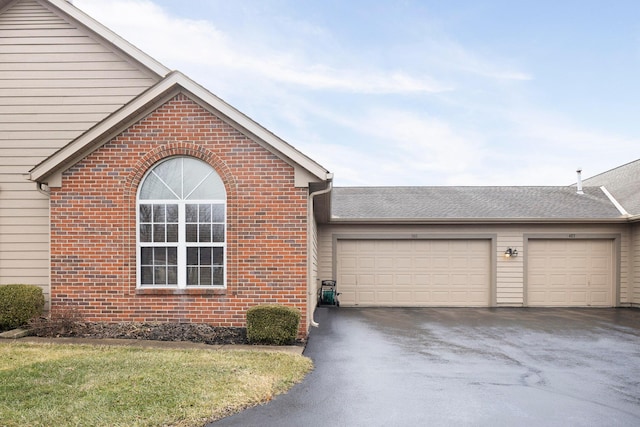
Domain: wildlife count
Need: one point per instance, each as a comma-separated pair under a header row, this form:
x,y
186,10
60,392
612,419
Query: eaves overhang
x,y
153,97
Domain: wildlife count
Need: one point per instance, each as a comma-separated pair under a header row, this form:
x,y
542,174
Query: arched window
x,y
181,225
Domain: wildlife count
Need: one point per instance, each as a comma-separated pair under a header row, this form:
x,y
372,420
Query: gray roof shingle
x,y
423,203
623,183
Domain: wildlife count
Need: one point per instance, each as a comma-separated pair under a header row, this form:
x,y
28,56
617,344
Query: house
x,y
131,193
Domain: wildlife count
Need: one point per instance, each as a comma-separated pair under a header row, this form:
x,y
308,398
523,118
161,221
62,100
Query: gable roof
x,y
623,183
93,130
174,83
484,204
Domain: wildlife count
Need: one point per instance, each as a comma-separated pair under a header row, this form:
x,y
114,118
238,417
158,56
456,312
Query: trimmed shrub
x,y
19,304
272,324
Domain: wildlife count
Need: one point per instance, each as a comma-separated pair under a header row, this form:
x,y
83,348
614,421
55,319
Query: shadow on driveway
x,y
464,366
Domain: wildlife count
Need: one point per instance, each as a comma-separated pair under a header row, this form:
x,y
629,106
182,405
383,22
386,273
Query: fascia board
x,y
146,60
112,125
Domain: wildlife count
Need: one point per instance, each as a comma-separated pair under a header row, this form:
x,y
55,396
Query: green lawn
x,y
73,385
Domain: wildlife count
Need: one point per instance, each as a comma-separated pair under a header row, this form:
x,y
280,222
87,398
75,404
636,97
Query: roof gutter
x,y
427,221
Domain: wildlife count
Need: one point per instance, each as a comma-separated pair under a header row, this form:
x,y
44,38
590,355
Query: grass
x,y
74,385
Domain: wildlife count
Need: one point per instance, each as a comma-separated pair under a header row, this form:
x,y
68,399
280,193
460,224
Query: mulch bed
x,y
194,332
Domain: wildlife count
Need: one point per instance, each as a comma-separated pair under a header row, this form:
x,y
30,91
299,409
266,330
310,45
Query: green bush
x,y
19,304
272,324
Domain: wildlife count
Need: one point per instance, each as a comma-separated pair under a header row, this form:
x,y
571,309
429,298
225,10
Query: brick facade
x,y
93,224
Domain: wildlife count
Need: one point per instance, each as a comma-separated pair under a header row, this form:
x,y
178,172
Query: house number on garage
x,y
572,236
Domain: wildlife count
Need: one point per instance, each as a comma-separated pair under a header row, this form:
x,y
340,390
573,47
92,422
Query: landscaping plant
x,y
19,304
272,324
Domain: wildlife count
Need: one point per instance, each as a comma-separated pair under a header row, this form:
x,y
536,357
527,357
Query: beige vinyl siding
x,y
509,276
57,79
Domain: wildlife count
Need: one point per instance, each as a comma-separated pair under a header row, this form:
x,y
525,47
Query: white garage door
x,y
570,273
414,272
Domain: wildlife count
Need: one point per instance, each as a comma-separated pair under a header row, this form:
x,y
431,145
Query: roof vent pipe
x,y
579,184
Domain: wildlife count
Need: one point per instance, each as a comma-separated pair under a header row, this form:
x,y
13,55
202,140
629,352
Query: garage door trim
x,y
616,264
491,237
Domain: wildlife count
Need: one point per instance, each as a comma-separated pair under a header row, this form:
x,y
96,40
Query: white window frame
x,y
181,244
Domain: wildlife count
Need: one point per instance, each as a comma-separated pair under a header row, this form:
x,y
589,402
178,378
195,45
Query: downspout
x,y
309,242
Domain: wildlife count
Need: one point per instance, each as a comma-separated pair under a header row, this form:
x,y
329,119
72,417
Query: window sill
x,y
176,291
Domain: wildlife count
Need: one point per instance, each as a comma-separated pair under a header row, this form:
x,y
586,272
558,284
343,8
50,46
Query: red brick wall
x,y
93,224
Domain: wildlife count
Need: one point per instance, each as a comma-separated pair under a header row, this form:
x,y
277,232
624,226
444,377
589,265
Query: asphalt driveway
x,y
484,367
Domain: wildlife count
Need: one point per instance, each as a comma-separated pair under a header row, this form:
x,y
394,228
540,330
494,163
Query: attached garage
x,y
570,273
405,273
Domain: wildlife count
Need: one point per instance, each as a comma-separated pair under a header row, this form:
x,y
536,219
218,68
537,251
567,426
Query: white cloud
x,y
459,116
186,42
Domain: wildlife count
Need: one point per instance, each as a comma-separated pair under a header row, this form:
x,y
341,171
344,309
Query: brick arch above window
x,y
163,152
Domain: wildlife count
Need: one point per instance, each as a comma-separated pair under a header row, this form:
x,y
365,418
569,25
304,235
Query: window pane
x,y
218,213
172,256
172,273
158,213
195,171
146,256
218,233
192,256
218,276
172,213
205,256
160,275
158,233
205,233
204,213
145,232
205,276
172,232
191,213
154,188
192,275
218,256
145,213
147,275
211,189
160,256
192,232
171,173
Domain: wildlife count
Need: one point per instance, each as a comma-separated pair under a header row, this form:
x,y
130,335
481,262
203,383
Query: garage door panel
x,y
366,262
422,263
383,280
415,272
385,263
599,297
569,273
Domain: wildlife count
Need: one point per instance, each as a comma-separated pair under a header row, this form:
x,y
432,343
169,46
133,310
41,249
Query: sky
x,y
414,92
